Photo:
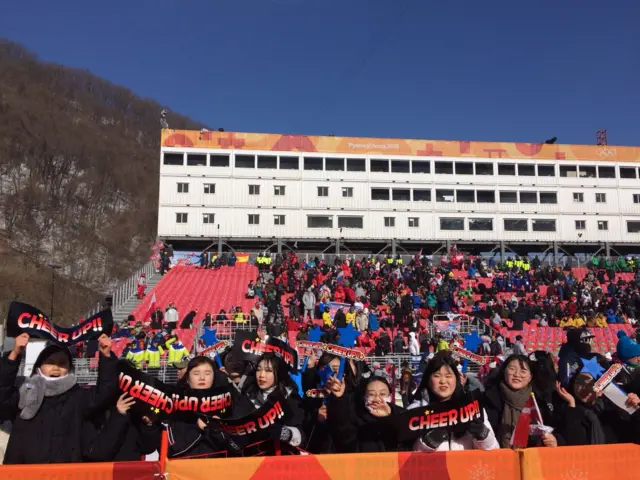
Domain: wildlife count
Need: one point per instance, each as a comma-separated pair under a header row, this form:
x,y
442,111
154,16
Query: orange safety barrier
x,y
601,462
496,465
83,471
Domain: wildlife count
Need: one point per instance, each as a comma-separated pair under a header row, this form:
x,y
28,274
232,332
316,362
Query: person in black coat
x,y
358,423
505,398
187,321
119,437
270,375
194,438
49,409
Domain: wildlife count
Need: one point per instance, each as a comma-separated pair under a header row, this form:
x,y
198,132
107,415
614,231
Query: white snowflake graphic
x,y
481,471
575,474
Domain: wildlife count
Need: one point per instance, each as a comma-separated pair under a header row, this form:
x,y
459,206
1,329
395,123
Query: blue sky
x,y
462,70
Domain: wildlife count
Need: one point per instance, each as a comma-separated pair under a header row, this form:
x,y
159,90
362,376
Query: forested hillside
x,y
78,178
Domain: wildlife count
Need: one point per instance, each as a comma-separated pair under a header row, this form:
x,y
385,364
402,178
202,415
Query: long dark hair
x,y
440,359
543,372
282,380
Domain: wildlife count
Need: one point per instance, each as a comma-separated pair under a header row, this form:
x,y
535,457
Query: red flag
x,y
152,307
520,436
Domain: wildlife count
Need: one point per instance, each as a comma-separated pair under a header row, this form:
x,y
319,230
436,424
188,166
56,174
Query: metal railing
x,y
127,289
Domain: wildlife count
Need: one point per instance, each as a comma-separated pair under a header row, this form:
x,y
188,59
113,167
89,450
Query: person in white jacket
x,y
442,382
414,346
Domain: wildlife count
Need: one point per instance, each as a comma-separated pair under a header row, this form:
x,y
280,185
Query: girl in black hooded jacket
x,y
48,410
357,423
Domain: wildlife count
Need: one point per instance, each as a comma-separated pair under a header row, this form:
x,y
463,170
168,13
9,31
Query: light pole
x,y
53,268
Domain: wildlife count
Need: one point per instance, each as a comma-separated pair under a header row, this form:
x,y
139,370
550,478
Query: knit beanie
x,y
626,348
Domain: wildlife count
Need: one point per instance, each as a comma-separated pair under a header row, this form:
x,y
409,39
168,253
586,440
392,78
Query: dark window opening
x,y
607,172
400,166
465,196
526,170
350,222
445,168
445,195
419,166
484,168
464,168
452,224
528,197
402,194
568,171
380,165
311,163
420,195
486,196
334,164
265,161
543,225
506,169
356,165
519,225
196,160
380,194
546,171
481,224
218,160
548,197
245,161
289,163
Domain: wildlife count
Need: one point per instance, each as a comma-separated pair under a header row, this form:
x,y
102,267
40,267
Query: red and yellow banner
x,y
83,471
393,147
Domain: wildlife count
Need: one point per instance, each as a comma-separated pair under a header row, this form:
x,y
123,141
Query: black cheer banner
x,y
248,347
453,415
23,318
157,399
255,426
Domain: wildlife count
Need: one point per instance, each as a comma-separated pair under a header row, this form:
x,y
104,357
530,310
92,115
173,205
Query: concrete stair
x,y
120,314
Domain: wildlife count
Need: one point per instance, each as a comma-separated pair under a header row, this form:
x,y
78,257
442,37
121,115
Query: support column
x,y
219,241
501,251
393,247
338,247
555,253
447,248
607,249
279,245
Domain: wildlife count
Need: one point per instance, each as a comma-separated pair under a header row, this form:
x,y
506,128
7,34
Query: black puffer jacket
x,y
355,430
55,434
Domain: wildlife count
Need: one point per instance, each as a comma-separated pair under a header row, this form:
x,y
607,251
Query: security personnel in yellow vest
x,y
399,260
267,260
177,352
153,353
389,260
136,353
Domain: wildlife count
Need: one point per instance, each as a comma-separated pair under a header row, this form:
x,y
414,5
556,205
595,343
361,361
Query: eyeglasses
x,y
518,371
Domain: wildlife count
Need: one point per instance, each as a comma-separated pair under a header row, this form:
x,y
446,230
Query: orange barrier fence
x,y
83,471
607,462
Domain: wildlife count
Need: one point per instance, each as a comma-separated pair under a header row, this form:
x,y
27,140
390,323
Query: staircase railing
x,y
129,287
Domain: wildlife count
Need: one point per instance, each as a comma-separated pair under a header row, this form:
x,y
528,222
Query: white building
x,y
257,188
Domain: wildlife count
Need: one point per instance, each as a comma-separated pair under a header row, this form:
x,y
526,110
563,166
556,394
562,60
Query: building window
x,y
445,195
419,166
587,172
548,197
636,198
316,221
218,160
279,190
486,196
603,225
607,172
196,160
444,168
481,224
601,198
379,165
414,222
245,161
484,168
506,169
568,171
389,221
581,225
421,195
278,219
543,225
516,225
181,217
347,192
380,194
350,222
633,226
528,197
400,166
578,197
464,168
254,189
356,165
289,163
267,161
173,159
526,170
311,163
183,187
334,164
508,197
546,171
628,172
465,196
401,194
452,224
323,191
210,188
254,219
208,218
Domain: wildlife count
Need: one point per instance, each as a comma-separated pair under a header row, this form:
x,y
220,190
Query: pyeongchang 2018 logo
x,y
607,153
376,146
